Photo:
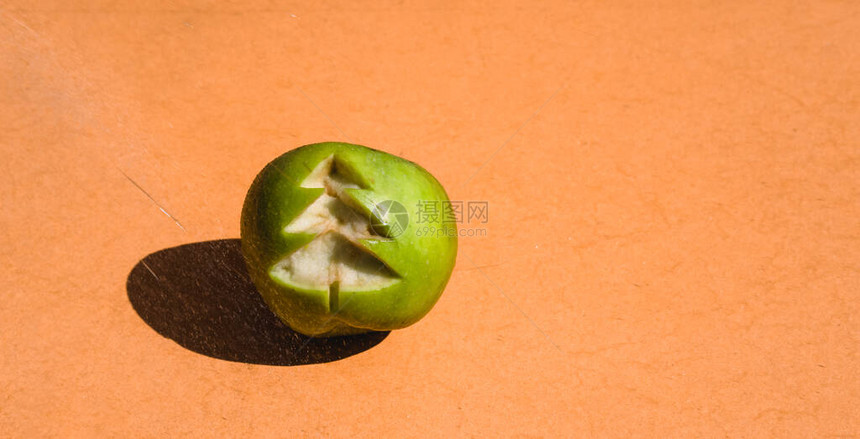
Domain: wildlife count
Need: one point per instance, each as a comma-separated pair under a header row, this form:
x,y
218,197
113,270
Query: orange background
x,y
672,244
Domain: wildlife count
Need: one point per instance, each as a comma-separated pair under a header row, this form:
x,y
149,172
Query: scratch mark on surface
x,y
484,275
21,23
478,268
781,414
533,115
767,84
324,114
150,270
157,204
605,348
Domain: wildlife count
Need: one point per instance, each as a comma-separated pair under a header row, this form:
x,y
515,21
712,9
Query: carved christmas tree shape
x,y
335,260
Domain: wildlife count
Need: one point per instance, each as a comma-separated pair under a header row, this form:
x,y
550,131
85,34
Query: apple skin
x,y
423,263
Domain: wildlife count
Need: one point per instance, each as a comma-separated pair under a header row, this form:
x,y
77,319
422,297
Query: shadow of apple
x,y
200,296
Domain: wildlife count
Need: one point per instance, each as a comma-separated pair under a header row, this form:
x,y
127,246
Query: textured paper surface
x,y
672,232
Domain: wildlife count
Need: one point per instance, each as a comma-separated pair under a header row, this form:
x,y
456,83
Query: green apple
x,y
336,244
